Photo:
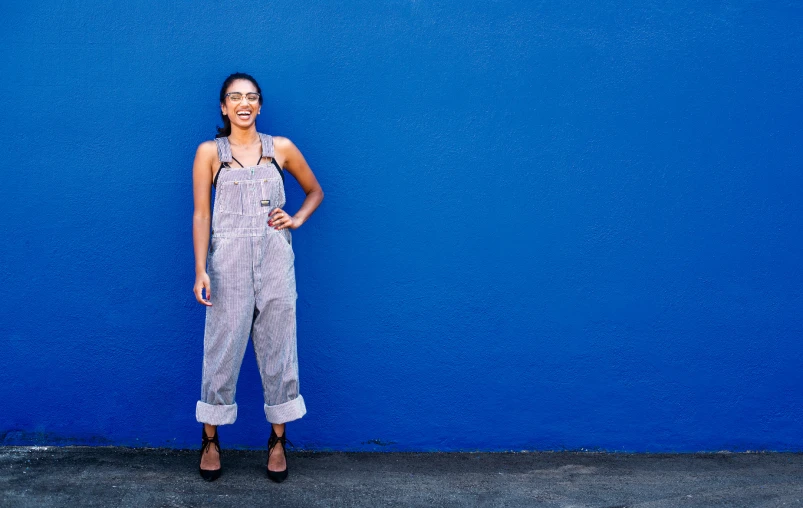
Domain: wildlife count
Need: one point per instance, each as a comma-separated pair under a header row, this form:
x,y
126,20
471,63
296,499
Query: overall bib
x,y
252,274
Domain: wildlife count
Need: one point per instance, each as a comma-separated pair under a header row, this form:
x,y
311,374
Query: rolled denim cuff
x,y
215,414
286,411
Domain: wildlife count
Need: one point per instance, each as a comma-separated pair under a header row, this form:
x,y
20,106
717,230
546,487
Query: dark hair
x,y
226,129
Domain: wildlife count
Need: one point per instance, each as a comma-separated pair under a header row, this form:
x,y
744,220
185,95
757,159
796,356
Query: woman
x,y
249,268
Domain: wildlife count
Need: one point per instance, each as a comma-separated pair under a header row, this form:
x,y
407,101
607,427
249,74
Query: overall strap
x,y
223,149
267,151
267,145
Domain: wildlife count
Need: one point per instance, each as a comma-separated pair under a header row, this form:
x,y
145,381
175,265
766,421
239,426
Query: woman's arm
x,y
297,166
202,216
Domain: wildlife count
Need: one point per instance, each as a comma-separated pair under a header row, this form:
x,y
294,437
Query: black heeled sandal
x,y
209,475
277,476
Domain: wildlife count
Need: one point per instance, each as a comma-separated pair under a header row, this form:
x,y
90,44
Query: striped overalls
x,y
253,285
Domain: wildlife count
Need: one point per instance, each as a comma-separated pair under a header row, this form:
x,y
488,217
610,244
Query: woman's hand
x,y
279,219
202,282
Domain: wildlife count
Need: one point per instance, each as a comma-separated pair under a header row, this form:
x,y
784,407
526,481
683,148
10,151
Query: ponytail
x,y
224,131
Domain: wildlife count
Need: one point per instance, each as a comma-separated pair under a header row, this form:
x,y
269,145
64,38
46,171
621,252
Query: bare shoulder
x,y
207,149
286,151
282,144
294,162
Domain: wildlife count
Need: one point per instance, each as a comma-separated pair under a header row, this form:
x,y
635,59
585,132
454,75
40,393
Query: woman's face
x,y
243,113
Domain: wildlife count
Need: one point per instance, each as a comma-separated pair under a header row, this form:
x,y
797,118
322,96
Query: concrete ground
x,y
108,476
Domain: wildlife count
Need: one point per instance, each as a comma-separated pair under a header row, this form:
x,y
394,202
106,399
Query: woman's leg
x,y
277,460
228,324
211,458
274,336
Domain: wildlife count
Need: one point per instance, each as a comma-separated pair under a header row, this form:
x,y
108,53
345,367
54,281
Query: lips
x,y
244,114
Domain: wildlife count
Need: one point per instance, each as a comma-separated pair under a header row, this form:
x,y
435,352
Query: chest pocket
x,y
228,198
249,197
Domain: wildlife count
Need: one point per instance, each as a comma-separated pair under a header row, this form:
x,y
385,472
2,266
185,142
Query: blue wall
x,y
546,226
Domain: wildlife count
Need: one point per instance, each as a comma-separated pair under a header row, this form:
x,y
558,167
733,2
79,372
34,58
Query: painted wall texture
x,y
547,225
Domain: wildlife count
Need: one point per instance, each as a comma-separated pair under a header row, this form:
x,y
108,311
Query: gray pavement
x,y
110,476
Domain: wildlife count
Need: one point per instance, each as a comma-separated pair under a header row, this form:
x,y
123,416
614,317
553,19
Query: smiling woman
x,y
243,250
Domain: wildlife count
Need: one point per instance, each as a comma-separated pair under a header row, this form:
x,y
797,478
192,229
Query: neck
x,y
240,136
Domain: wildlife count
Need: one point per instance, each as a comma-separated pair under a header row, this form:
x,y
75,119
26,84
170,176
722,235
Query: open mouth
x,y
245,115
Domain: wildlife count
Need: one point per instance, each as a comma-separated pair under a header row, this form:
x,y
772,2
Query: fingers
x,y
277,223
274,216
279,219
208,288
198,290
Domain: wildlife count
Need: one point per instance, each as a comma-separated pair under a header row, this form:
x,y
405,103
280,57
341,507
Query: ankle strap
x,y
207,441
274,438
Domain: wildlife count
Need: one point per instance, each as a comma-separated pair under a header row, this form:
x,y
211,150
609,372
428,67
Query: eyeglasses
x,y
238,96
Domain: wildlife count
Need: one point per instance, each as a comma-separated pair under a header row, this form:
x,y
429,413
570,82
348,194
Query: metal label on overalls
x,y
265,202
